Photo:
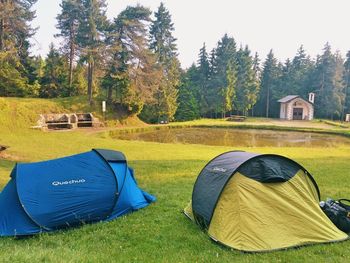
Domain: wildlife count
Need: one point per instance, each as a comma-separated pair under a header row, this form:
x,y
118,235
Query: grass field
x,y
159,233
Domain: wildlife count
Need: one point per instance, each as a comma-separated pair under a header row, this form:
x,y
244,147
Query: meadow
x,y
159,233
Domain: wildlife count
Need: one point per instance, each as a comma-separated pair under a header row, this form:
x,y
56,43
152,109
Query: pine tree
x,y
339,87
188,107
228,93
346,105
301,68
35,73
328,84
269,78
191,79
203,81
278,90
257,79
132,69
12,83
91,30
15,29
54,82
246,87
163,44
79,84
168,92
256,67
15,34
68,24
222,57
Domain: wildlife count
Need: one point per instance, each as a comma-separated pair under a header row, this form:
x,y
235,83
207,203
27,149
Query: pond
x,y
237,137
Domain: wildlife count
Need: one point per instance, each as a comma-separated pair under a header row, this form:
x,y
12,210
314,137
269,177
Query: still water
x,y
235,137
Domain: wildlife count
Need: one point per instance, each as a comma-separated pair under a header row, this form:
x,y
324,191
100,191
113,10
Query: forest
x,y
132,62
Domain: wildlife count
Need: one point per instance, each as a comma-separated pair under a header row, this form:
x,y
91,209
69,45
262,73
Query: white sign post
x,y
347,117
104,109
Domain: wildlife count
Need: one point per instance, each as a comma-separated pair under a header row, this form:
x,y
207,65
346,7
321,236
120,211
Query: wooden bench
x,y
237,118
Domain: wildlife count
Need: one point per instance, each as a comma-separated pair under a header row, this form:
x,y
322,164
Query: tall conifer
x,y
91,33
68,22
163,44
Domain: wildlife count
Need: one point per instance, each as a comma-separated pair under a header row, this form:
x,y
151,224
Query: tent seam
x,y
117,194
195,183
22,205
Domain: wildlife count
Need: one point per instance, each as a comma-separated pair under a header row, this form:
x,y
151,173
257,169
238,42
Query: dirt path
x,y
298,124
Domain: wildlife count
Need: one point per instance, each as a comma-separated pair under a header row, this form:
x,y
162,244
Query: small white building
x,y
293,107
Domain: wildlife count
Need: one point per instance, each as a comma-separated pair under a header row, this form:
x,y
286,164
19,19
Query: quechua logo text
x,y
68,182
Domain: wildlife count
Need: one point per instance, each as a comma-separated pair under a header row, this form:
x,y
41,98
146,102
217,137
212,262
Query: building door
x,y
297,113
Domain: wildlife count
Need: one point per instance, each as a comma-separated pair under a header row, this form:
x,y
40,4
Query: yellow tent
x,y
257,203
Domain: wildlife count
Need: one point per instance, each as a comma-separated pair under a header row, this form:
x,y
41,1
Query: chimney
x,y
311,97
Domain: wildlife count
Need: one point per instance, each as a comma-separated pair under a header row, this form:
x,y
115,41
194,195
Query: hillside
x,y
16,113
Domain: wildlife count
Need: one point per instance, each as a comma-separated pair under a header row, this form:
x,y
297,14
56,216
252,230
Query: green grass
x,y
337,123
159,233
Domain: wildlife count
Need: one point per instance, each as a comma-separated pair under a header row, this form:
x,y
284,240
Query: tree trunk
x,y
2,30
109,94
90,78
158,106
345,96
71,55
1,34
267,101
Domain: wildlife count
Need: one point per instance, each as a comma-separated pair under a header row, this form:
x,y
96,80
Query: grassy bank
x,y
19,113
324,127
159,233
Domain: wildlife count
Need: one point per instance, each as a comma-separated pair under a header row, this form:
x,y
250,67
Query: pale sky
x,y
282,25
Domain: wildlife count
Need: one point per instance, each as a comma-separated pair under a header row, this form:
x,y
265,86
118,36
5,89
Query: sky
x,y
281,25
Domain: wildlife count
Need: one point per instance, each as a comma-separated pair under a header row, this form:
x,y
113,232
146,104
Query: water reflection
x,y
234,137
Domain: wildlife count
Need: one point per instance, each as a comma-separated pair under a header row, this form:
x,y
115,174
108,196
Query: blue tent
x,y
88,187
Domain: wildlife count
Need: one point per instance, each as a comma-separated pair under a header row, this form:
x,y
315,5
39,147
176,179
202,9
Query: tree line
x,y
230,80
132,62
